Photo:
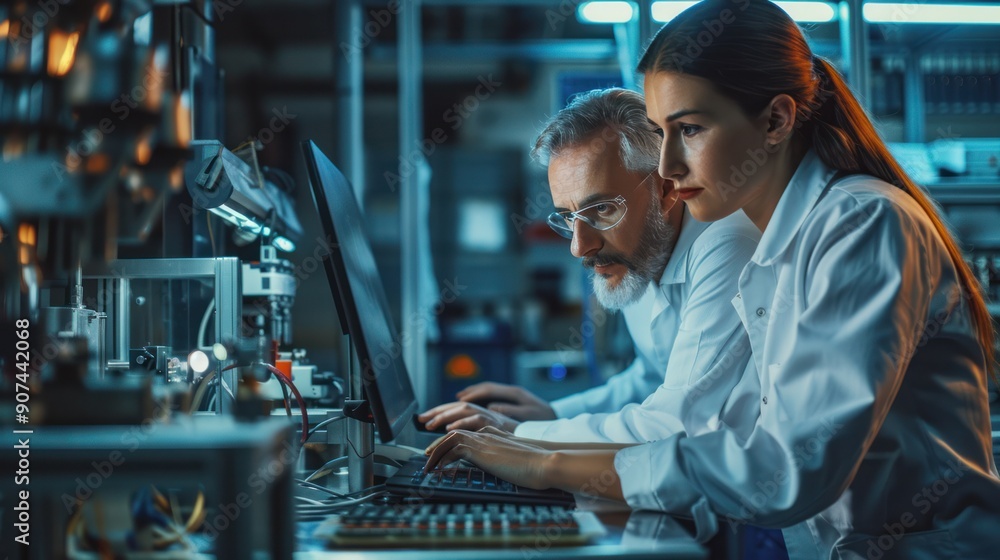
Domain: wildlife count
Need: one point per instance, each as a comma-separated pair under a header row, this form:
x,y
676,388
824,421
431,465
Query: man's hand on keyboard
x,y
465,416
496,452
510,400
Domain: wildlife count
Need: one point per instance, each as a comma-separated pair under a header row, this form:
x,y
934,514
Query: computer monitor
x,y
360,297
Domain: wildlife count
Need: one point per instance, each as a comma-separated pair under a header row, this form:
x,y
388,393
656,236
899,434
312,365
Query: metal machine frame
x,y
224,271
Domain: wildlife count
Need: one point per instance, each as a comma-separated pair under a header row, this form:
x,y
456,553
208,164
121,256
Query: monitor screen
x,y
360,297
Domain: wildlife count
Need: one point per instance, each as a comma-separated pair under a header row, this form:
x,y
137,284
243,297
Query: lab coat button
x,y
760,312
765,400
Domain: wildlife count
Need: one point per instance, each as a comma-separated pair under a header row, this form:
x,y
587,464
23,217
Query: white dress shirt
x,y
871,434
688,345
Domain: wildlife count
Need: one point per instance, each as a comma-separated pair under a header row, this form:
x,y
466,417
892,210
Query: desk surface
x,y
636,535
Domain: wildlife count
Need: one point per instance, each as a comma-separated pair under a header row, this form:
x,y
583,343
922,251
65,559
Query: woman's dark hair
x,y
752,51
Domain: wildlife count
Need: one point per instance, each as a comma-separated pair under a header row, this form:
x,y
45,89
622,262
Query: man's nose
x,y
586,240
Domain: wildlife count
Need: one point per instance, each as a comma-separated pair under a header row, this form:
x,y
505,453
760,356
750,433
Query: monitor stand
x,y
360,434
360,455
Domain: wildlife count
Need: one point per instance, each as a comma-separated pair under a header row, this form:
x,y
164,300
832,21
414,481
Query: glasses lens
x,y
603,215
561,225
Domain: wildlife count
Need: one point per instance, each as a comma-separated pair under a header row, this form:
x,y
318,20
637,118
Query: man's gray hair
x,y
599,117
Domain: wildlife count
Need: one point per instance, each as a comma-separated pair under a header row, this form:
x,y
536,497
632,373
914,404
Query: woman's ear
x,y
780,114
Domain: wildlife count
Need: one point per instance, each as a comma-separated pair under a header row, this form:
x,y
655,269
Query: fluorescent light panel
x,y
809,12
932,13
244,223
666,11
605,12
805,12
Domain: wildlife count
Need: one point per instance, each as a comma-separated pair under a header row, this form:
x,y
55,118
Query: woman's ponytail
x,y
845,138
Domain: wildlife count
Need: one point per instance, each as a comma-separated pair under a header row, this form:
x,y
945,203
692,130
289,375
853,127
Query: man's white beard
x,y
628,291
645,265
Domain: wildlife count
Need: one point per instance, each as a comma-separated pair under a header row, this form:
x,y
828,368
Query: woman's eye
x,y
658,131
603,208
690,129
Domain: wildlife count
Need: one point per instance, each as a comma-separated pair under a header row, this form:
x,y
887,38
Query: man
x,y
672,277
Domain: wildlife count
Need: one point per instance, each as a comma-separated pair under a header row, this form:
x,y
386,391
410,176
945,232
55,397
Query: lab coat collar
x,y
808,183
676,271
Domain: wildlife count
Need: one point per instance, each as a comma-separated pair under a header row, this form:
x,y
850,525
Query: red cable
x,y
282,378
298,397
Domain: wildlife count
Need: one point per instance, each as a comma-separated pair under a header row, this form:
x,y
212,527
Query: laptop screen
x,y
360,297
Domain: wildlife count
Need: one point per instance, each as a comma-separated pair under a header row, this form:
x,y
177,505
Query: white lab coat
x,y
871,437
690,347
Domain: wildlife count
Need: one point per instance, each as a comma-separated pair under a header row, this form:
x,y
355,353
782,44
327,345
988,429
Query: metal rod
x,y
913,99
350,93
414,227
854,40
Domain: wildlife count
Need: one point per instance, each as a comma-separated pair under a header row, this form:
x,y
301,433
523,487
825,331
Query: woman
x,y
871,342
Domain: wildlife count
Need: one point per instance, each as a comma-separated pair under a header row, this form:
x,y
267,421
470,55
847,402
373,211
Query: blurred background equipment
x,y
103,106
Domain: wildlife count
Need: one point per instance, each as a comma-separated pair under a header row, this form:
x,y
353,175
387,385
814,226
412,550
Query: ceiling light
x,y
932,13
804,12
605,12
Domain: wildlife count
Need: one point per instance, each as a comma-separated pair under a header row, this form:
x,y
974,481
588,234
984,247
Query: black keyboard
x,y
464,477
462,525
466,483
